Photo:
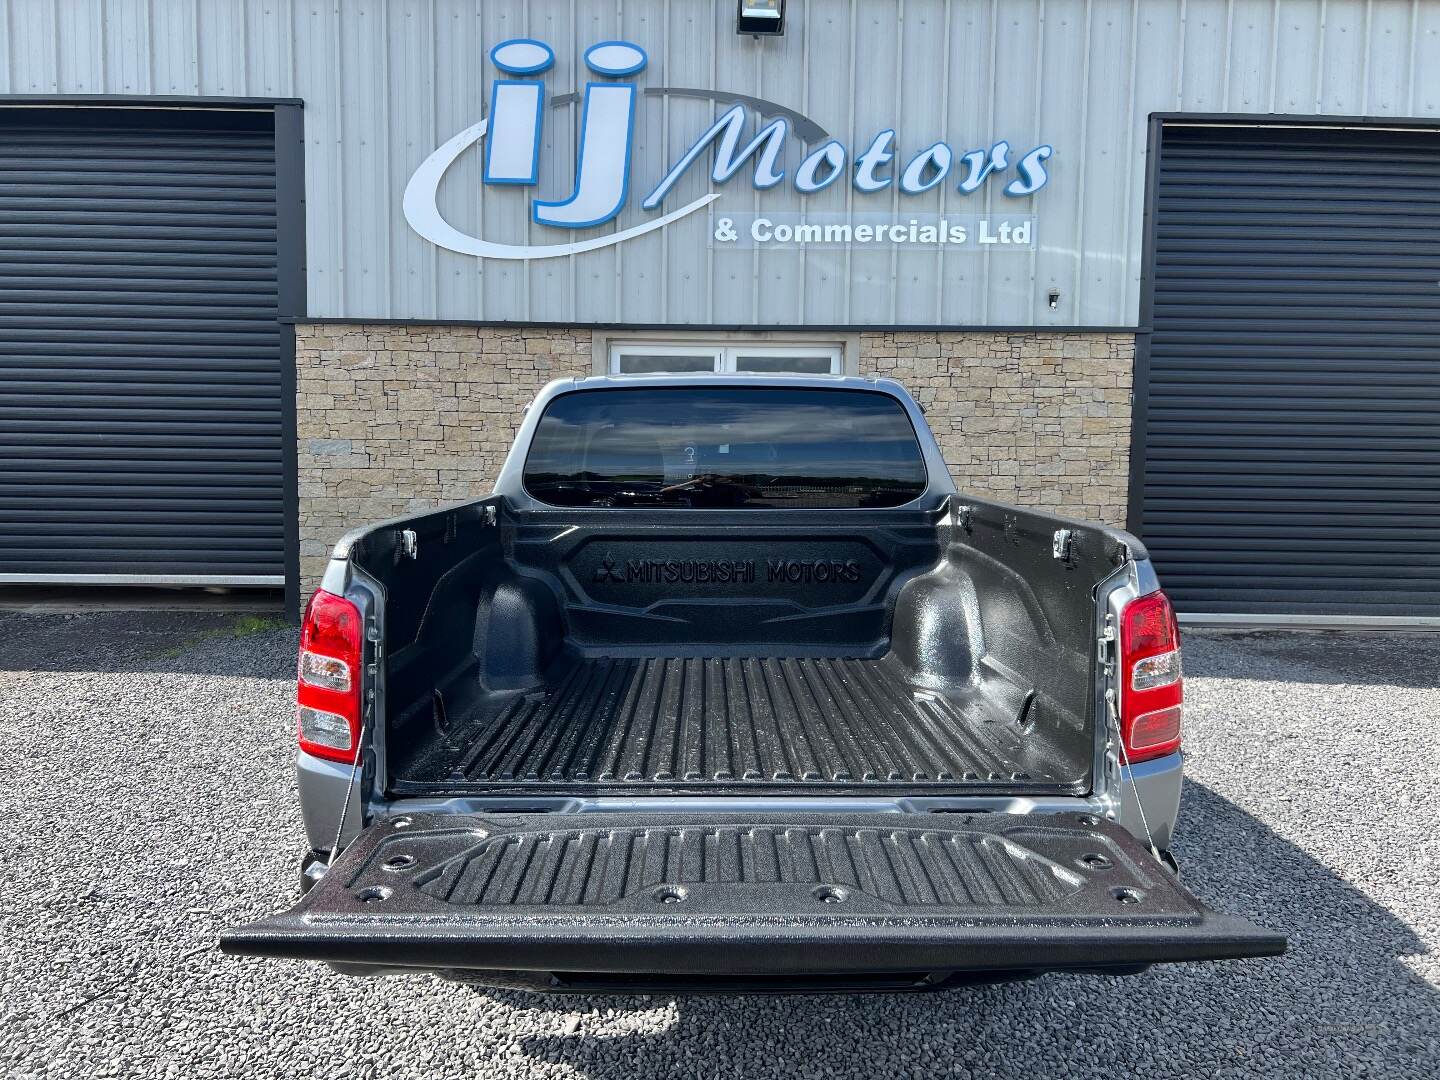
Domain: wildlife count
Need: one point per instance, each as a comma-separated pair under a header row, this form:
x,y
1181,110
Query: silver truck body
x,y
1143,798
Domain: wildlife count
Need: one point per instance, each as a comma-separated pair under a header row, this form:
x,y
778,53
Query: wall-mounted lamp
x,y
760,17
1054,299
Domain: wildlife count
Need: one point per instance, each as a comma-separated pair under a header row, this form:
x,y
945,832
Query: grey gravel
x,y
146,801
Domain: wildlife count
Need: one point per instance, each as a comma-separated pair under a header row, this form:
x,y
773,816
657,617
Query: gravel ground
x,y
146,801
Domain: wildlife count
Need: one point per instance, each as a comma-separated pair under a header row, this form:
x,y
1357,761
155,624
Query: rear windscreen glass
x,y
725,447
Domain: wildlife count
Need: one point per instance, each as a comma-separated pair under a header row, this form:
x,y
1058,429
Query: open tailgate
x,y
758,894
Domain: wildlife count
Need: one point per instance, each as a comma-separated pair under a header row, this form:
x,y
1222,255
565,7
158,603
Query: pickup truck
x,y
726,687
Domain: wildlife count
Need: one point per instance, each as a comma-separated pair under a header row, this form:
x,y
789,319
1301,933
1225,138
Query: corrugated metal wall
x,y
384,83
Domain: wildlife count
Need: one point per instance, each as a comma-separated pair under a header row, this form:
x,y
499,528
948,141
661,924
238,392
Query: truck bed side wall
x,y
430,605
1025,618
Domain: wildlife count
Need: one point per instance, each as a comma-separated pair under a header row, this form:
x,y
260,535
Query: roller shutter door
x,y
140,354
1291,424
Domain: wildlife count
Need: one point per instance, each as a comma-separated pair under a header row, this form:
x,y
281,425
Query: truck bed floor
x,y
702,722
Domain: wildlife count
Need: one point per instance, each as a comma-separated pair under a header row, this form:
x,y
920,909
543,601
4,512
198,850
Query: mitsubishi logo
x,y
608,572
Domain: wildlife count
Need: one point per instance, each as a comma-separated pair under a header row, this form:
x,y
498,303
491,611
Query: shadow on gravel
x,y
1340,1002
145,641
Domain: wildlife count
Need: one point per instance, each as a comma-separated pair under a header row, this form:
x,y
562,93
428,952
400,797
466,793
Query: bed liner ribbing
x,y
737,720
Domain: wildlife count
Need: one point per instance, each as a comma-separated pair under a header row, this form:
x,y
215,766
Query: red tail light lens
x,y
328,698
1152,688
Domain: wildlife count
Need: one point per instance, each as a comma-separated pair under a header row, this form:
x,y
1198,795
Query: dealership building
x,y
271,271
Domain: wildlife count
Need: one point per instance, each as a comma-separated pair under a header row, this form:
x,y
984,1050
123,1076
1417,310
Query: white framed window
x,y
652,359
763,359
759,358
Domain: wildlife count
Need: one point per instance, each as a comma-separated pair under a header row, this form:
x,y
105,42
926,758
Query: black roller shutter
x,y
141,361
1291,423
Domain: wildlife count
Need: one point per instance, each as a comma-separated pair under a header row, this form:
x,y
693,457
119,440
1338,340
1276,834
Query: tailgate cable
x,y
1129,773
372,635
349,787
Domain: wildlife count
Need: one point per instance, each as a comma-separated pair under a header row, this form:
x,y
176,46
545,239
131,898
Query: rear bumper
x,y
726,896
865,982
322,787
1154,786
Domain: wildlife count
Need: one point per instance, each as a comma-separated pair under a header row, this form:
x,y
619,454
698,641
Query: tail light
x,y
328,698
1153,686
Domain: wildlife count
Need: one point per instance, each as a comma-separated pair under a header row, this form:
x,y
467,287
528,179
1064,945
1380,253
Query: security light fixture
x,y
760,17
1054,299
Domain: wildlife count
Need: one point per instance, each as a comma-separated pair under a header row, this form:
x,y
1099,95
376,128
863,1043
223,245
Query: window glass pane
x,y
725,447
652,363
809,365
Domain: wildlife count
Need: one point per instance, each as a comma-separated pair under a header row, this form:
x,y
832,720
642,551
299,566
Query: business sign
x,y
912,232
604,170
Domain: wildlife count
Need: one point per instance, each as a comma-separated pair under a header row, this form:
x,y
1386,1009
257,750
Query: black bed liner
x,y
729,894
754,721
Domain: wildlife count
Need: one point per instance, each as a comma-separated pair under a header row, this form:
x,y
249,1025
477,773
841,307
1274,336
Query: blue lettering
x,y
512,145
1033,175
607,125
934,159
832,156
728,157
981,163
874,157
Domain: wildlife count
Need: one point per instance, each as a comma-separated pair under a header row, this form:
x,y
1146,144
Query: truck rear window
x,y
725,447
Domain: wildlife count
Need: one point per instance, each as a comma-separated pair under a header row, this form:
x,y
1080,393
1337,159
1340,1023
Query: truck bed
x,y
703,722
